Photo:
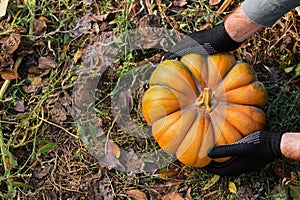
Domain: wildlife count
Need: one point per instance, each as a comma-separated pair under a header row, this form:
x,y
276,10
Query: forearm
x,y
253,15
290,146
239,27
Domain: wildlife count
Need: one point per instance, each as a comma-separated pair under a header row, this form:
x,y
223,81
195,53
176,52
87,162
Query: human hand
x,y
251,152
204,42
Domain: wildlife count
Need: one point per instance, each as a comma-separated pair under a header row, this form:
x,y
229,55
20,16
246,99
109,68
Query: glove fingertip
x,y
213,152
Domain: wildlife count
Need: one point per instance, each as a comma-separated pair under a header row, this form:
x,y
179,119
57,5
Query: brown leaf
x,y
11,43
113,149
99,18
83,25
137,194
40,172
6,60
45,63
180,3
173,196
78,55
40,27
104,17
19,106
33,70
44,19
214,2
9,74
167,174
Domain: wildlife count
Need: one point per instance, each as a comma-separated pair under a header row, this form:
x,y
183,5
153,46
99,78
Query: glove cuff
x,y
221,41
274,142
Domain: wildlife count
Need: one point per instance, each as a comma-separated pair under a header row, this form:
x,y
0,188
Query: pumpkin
x,y
200,101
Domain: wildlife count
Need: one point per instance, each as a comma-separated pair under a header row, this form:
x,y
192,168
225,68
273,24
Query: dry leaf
x,y
83,25
45,63
99,18
40,27
44,19
173,196
20,106
232,187
78,55
11,43
33,70
167,174
9,74
214,2
179,3
113,148
137,194
41,172
35,80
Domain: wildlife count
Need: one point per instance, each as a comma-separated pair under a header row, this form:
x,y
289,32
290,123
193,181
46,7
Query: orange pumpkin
x,y
202,101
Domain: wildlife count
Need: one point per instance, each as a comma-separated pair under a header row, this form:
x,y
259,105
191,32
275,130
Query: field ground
x,y
44,43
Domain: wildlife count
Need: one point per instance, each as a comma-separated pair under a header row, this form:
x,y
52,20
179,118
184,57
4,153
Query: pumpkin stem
x,y
206,100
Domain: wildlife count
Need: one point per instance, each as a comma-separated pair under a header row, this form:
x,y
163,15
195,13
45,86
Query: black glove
x,y
204,42
251,152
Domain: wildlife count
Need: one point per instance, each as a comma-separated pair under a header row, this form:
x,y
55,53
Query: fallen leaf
x,y
41,172
214,2
9,74
33,70
113,149
44,19
19,106
167,174
137,194
99,18
40,27
232,187
179,3
83,25
45,63
172,196
11,43
58,113
3,6
6,60
78,55
35,80
111,162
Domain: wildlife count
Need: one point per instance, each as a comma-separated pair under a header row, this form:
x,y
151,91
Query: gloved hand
x,y
204,42
251,152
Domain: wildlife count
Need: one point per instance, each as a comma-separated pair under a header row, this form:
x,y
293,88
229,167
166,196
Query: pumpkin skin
x,y
202,101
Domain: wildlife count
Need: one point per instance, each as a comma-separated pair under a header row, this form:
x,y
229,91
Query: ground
x,y
44,45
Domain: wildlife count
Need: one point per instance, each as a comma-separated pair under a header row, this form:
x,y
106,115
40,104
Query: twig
x,y
224,6
62,128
